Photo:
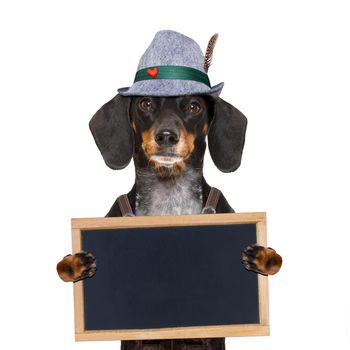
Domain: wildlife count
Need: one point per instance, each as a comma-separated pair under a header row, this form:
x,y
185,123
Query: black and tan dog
x,y
166,137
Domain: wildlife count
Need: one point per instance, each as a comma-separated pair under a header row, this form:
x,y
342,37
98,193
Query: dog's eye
x,y
194,108
146,104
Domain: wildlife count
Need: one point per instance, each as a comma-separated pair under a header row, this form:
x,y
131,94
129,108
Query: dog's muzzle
x,y
167,140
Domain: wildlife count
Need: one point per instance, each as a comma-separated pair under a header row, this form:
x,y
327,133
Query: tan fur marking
x,y
186,144
149,145
274,263
205,128
267,261
133,125
175,170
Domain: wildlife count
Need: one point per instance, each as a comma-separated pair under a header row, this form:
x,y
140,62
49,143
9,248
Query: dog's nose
x,y
166,138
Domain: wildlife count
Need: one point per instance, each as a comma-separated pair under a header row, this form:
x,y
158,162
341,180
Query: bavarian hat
x,y
173,65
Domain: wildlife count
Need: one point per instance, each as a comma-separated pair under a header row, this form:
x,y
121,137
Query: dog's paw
x,y
73,268
261,260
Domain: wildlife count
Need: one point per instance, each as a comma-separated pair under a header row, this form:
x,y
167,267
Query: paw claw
x,y
244,258
248,248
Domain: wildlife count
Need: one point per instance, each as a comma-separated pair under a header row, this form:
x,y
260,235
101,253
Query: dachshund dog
x,y
166,137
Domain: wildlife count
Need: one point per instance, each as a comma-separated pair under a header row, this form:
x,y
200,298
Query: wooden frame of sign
x,y
259,329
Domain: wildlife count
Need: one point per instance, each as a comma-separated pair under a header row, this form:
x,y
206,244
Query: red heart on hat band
x,y
152,72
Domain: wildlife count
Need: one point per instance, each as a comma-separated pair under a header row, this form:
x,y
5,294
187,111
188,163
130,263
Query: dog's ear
x,y
112,132
226,136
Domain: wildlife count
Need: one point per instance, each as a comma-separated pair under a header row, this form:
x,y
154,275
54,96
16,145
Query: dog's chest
x,y
169,198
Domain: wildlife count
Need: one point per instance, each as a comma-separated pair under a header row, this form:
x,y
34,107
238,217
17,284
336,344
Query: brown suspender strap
x,y
212,201
124,205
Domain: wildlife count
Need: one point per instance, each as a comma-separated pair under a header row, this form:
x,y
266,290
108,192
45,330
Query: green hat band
x,y
172,72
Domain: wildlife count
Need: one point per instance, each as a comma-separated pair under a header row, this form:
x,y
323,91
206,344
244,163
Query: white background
x,y
286,67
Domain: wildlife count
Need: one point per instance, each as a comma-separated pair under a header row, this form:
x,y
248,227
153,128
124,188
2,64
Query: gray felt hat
x,y
173,65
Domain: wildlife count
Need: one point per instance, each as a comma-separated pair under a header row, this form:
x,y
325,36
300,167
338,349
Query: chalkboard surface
x,y
180,276
170,277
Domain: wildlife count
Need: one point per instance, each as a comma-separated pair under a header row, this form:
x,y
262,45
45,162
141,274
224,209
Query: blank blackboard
x,y
163,275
